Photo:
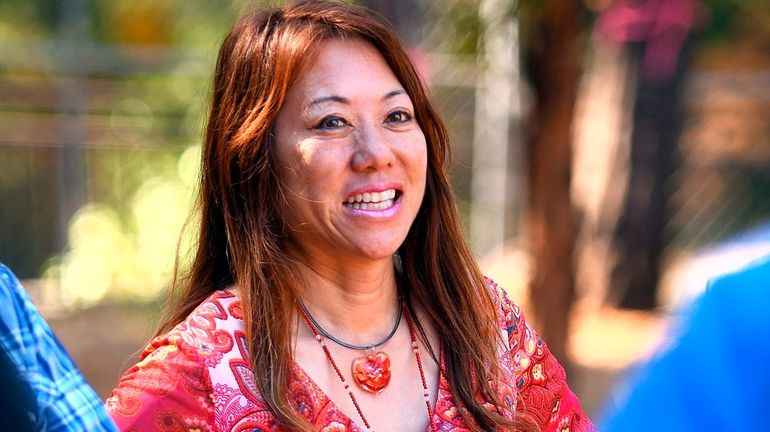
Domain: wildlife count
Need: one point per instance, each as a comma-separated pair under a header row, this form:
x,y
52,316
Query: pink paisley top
x,y
197,378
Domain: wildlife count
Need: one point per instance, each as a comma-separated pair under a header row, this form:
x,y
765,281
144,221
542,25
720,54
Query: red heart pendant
x,y
372,371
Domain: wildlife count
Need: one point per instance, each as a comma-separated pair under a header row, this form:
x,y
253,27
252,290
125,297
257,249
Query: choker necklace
x,y
317,330
371,371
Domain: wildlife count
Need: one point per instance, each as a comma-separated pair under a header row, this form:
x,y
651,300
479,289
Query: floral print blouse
x,y
197,378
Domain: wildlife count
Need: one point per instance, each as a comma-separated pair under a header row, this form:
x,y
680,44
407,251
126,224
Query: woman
x,y
332,289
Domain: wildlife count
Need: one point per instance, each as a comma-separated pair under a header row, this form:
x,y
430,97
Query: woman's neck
x,y
358,304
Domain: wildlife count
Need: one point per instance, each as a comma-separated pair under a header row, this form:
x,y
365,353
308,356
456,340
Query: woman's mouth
x,y
373,200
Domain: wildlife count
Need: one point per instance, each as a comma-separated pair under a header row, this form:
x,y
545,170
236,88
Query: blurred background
x,y
610,156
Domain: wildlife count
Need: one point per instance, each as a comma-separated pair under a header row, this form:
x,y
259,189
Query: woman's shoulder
x,y
182,373
524,343
509,315
171,383
539,379
207,331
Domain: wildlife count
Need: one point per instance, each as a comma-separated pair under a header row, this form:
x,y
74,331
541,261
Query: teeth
x,y
373,198
382,205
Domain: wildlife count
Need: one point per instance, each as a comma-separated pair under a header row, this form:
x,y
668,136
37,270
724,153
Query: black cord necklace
x,y
352,346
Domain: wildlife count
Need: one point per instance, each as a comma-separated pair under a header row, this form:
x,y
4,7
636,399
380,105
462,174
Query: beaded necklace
x,y
415,348
371,372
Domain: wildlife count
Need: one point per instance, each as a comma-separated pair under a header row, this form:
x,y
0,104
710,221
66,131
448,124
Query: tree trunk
x,y
639,236
554,65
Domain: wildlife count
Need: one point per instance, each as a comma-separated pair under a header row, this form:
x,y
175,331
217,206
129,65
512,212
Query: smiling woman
x,y
351,158
332,286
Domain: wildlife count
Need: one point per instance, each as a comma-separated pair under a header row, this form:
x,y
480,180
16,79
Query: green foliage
x,y
726,21
174,22
729,19
148,107
27,19
756,20
468,29
722,19
457,29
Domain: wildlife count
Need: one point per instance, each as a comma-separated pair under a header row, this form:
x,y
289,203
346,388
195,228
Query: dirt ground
x,y
105,340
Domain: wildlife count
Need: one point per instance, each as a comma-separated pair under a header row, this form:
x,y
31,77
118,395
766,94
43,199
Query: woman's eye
x,y
331,122
399,117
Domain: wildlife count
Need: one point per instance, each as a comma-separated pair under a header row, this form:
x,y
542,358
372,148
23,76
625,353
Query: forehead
x,y
347,68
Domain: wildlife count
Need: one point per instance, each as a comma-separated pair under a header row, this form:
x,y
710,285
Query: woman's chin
x,y
377,252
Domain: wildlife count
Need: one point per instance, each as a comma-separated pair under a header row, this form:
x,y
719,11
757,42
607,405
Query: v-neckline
x,y
300,373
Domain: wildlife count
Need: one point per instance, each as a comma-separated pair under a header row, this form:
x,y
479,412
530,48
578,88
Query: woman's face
x,y
350,154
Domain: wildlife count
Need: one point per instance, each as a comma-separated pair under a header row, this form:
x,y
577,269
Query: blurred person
x,y
331,287
19,409
714,374
42,388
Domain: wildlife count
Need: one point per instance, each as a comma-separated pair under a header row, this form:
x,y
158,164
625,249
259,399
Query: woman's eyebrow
x,y
332,98
346,101
392,93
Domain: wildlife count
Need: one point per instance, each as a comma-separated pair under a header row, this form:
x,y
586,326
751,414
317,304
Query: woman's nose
x,y
372,149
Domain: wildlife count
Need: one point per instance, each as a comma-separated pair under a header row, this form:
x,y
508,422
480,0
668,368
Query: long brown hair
x,y
242,240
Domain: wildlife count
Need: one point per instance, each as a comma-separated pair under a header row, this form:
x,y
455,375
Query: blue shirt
x,y
716,375
45,391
